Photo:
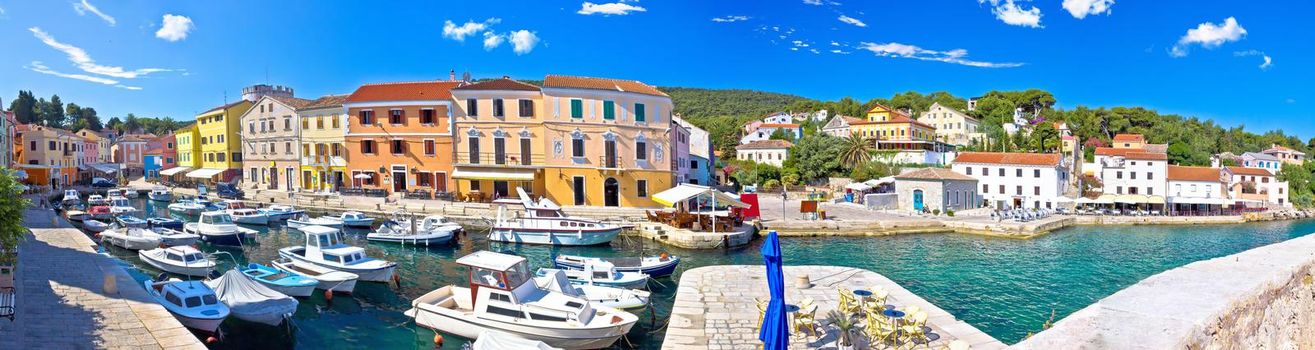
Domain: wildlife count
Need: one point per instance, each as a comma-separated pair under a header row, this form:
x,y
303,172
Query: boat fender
x,y
397,279
438,340
211,340
328,297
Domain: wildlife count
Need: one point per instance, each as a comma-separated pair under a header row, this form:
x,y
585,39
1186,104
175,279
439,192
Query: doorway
x,y
500,189
273,178
611,192
399,178
917,200
578,184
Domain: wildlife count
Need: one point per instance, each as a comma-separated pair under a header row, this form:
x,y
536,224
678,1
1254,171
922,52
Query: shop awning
x,y
204,173
1196,200
1130,199
1155,200
108,168
21,174
686,191
505,174
175,170
858,186
1104,199
881,181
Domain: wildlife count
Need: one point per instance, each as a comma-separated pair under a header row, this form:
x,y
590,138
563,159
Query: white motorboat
x,y
621,298
251,301
77,215
502,296
96,199
128,192
160,194
94,225
171,237
303,220
132,238
329,279
654,265
354,219
324,247
130,221
182,260
71,198
119,205
545,223
216,227
602,273
248,216
193,303
494,340
433,230
281,212
113,192
189,207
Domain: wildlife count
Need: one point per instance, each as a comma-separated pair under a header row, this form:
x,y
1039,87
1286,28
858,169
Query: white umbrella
x,y
361,176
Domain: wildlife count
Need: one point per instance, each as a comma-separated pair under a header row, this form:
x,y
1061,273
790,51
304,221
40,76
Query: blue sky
x,y
1174,56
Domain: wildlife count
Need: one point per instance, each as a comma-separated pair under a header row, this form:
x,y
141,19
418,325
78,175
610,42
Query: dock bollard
x,y
802,282
111,284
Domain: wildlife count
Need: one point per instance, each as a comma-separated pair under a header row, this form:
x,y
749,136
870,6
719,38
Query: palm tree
x,y
858,150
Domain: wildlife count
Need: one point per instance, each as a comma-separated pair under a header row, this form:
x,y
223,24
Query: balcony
x,y
323,160
494,159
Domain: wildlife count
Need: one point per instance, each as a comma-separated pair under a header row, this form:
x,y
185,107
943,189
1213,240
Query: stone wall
x,y
1262,298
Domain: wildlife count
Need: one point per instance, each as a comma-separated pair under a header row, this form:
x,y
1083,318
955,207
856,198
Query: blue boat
x,y
289,284
131,221
169,223
653,266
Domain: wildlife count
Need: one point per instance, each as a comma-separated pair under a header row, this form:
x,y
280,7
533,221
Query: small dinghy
x,y
304,220
654,266
329,279
497,340
131,221
94,225
131,238
621,298
287,283
193,303
169,223
251,301
434,230
77,215
171,237
182,260
281,212
602,273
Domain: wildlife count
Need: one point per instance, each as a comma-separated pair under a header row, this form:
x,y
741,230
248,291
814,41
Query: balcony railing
x,y
499,159
324,159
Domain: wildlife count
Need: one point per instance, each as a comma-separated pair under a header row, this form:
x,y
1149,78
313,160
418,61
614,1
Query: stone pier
x,y
62,300
715,307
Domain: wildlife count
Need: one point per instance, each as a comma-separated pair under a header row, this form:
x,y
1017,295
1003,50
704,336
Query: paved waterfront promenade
x,y
715,307
62,303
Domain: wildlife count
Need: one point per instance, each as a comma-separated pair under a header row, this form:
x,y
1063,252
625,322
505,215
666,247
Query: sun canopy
x,y
1155,200
881,181
204,173
1130,199
686,191
506,174
174,170
858,186
107,168
1104,199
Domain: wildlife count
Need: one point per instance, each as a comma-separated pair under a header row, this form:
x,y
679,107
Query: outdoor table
x,y
864,296
895,317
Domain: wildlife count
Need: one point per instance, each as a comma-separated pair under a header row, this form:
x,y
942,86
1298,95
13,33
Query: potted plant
x,y
845,325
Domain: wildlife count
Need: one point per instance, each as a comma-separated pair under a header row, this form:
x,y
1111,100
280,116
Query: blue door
x,y
917,200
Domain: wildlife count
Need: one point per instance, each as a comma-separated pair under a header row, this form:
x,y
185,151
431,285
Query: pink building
x,y
167,149
130,150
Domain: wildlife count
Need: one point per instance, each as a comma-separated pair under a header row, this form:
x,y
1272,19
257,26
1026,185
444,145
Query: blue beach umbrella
x,y
775,332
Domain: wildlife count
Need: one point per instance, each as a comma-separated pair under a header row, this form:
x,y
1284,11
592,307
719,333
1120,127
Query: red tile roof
x,y
327,101
295,103
765,144
404,91
1129,138
1131,153
1008,158
1248,171
778,126
563,81
1193,173
934,174
504,84
1278,149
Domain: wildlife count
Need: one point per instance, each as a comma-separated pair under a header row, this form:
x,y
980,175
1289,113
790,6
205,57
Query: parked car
x,y
229,191
100,182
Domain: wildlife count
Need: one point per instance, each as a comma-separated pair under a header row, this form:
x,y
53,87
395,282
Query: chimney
x,y
452,75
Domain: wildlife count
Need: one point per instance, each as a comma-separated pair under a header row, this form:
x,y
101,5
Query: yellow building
x,y
499,139
905,140
323,156
219,133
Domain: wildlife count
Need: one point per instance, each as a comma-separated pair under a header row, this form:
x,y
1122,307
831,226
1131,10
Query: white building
x,y
1287,155
1195,188
772,152
701,159
952,126
1132,171
1018,124
765,131
1016,180
839,126
1252,186
779,118
1261,161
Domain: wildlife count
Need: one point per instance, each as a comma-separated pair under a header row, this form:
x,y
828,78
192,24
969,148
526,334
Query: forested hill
x,y
697,103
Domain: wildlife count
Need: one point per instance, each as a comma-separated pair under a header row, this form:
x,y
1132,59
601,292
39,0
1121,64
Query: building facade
x,y
764,131
952,126
1016,180
773,152
271,144
8,145
323,147
167,146
701,158
936,190
1257,160
905,139
1132,171
1256,187
189,151
1192,187
399,135
1287,155
130,151
91,150
500,143
839,126
220,136
49,156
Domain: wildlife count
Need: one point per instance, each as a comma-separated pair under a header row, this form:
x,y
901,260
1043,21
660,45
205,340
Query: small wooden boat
x,y
171,237
602,273
324,247
131,238
304,220
77,215
94,225
251,301
131,221
193,303
283,282
160,194
654,266
330,280
169,223
182,260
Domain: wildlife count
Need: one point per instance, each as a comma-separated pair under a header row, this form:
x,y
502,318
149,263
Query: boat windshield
x,y
518,274
193,301
547,213
194,257
216,219
209,299
328,240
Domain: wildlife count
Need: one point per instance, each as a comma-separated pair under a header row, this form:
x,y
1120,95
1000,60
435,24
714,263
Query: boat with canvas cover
x,y
501,295
251,301
94,225
171,237
193,303
169,223
101,212
495,340
324,247
130,221
545,223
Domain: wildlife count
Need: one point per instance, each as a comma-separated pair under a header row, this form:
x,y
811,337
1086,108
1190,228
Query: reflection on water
x,y
1005,287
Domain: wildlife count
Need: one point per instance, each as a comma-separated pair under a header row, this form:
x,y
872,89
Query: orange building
x,y
399,136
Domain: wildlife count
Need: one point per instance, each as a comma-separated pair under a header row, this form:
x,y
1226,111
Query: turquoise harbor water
x,y
1005,287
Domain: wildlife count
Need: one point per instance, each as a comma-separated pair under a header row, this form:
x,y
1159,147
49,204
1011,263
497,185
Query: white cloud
x,y
835,43
1267,61
799,43
84,62
37,66
840,52
522,41
1082,8
852,20
616,8
955,56
84,7
727,19
2,11
1009,12
174,27
492,41
459,33
813,2
1208,35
